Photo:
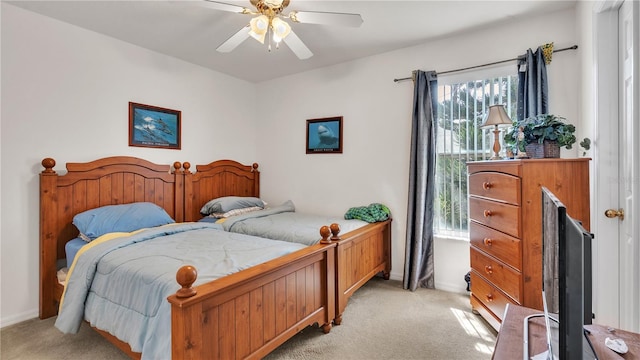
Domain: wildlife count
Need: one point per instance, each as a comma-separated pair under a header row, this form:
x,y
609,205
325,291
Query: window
x,y
461,109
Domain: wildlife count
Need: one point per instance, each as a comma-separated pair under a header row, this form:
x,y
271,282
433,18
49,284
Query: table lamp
x,y
496,117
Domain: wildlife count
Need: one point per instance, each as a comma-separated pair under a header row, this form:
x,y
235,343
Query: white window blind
x,y
461,110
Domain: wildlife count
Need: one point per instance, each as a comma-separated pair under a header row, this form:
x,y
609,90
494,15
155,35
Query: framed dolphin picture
x,y
324,136
152,126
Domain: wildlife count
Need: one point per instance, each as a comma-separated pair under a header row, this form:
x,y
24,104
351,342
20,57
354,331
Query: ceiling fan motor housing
x,y
270,7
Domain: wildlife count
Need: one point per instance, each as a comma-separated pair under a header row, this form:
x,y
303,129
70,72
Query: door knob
x,y
611,213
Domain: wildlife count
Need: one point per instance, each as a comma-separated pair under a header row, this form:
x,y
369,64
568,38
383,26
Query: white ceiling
x,y
184,30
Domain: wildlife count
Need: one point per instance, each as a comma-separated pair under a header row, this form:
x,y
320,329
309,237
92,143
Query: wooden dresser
x,y
505,210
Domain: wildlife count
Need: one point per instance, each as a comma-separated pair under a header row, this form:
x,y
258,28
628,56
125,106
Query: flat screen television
x,y
566,262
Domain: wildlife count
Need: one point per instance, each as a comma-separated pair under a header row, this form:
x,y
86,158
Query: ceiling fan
x,y
269,24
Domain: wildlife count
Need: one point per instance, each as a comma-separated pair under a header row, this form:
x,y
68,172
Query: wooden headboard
x,y
216,179
107,181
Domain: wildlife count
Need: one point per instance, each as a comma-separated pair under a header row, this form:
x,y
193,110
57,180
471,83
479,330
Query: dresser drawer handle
x,y
489,298
487,213
488,269
488,242
487,185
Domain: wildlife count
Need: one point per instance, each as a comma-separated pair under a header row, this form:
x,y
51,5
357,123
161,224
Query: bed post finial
x,y
325,232
48,164
186,276
335,230
186,166
254,167
176,167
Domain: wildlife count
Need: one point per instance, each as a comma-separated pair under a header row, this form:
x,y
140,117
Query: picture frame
x,y
324,135
154,127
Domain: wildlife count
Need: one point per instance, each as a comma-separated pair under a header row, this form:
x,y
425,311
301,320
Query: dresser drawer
x,y
495,186
503,217
504,247
488,295
478,307
502,276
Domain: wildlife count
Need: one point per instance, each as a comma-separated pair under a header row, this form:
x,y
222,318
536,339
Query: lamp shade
x,y
259,26
280,29
497,115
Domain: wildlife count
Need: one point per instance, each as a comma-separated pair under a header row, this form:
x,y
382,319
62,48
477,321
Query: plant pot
x,y
551,149
535,150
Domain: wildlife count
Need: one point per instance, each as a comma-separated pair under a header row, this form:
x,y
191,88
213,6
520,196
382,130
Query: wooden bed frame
x,y
108,181
243,315
360,254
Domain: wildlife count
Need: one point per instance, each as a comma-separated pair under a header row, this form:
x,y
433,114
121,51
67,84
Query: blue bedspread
x,y
284,223
119,283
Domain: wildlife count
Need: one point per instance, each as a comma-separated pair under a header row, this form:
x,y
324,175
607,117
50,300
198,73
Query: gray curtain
x,y
533,90
418,269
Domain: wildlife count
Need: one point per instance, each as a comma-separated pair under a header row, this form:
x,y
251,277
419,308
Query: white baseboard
x,y
18,318
444,286
396,276
454,288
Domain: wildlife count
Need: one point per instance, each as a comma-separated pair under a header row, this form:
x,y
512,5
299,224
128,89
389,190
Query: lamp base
x,y
496,144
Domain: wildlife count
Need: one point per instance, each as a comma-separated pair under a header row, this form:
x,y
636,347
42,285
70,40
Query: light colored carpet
x,y
382,321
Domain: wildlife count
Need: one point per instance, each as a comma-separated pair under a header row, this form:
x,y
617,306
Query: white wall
x,y
65,94
377,124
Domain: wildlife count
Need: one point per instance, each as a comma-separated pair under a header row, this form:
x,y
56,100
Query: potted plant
x,y
586,145
542,135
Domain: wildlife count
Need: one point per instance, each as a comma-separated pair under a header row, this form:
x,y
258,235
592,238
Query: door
x,y
616,275
629,243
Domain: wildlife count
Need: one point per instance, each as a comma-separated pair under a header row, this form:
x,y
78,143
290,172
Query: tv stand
x,y
510,338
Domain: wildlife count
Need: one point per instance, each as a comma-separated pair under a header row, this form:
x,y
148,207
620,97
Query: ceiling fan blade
x,y
217,5
326,18
297,46
235,40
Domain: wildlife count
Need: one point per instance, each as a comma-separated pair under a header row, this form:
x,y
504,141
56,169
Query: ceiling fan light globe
x,y
259,24
280,29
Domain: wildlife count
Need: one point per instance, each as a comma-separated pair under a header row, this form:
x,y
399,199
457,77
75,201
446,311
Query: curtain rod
x,y
574,47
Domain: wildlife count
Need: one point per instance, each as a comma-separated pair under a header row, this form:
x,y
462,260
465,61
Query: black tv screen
x,y
566,267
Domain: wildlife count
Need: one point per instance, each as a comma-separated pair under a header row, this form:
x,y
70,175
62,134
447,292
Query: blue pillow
x,y
227,203
119,218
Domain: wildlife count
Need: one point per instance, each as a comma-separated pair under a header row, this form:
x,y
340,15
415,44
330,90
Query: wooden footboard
x,y
250,313
360,255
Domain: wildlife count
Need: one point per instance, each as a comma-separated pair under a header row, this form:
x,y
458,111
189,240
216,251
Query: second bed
x,y
363,250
